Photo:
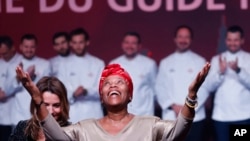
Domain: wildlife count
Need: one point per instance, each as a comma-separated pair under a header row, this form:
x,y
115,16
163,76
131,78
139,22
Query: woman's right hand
x,y
28,84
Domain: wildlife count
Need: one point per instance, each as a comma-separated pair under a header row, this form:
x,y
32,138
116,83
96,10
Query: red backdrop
x,y
107,25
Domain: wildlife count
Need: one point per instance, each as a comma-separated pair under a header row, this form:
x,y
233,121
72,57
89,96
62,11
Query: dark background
x,y
106,26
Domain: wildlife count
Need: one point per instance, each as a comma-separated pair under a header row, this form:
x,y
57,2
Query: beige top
x,y
140,128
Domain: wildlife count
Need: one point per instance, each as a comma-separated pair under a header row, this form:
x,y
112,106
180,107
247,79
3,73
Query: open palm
x,y
27,82
195,85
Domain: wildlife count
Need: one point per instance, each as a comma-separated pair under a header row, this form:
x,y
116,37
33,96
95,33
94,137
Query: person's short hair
x,y
29,36
7,41
236,28
79,31
60,34
186,27
135,34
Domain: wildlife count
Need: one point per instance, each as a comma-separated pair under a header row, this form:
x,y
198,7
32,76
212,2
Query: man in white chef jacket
x,y
61,46
36,67
8,57
176,72
143,71
229,77
81,78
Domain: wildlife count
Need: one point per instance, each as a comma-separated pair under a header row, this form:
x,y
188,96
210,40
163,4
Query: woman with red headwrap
x,y
115,90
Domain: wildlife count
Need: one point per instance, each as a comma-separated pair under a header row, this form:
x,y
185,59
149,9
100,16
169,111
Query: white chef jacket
x,y
232,96
21,104
143,73
176,72
5,106
83,71
57,63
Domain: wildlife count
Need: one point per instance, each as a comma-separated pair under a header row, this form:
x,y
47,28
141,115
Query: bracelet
x,y
191,101
39,105
190,105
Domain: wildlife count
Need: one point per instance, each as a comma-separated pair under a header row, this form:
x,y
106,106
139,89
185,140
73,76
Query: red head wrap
x,y
116,69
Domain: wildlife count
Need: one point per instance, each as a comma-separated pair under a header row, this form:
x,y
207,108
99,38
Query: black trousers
x,y
196,132
222,129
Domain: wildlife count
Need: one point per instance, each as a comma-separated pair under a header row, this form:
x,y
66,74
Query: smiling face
x,y
115,92
130,45
183,39
234,41
53,104
6,53
28,48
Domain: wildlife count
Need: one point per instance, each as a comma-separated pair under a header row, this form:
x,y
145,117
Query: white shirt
x,y
57,63
21,105
143,71
231,102
5,106
3,75
176,72
83,71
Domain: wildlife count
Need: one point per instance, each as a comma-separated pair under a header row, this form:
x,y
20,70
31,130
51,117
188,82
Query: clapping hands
x,y
231,64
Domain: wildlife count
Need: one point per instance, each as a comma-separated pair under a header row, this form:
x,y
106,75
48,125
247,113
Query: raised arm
x,y
34,92
191,100
51,128
178,129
